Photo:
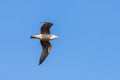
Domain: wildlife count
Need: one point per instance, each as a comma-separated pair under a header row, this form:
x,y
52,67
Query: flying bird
x,y
45,36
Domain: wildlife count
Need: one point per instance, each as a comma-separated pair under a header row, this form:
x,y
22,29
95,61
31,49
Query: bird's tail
x,y
32,37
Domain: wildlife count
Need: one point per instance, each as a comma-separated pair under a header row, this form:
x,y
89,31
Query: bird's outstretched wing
x,y
46,46
45,29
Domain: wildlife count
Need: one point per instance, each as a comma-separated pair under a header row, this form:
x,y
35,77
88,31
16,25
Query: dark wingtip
x,y
40,62
47,22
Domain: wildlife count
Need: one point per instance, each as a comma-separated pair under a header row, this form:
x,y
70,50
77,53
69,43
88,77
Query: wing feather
x,y
45,29
46,46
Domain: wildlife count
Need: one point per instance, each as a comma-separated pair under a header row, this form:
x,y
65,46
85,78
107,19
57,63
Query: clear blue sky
x,y
88,47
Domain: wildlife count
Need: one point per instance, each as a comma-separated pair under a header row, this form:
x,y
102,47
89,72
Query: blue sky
x,y
88,47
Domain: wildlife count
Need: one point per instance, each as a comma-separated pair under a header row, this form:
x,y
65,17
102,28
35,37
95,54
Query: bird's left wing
x,y
46,46
45,29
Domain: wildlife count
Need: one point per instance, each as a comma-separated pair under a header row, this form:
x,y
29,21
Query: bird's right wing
x,y
45,29
46,46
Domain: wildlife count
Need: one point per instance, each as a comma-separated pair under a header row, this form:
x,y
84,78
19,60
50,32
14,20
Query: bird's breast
x,y
45,37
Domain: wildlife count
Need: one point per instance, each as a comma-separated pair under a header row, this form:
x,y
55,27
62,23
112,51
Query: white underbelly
x,y
45,37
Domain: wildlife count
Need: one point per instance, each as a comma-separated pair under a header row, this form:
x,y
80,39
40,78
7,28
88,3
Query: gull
x,y
45,38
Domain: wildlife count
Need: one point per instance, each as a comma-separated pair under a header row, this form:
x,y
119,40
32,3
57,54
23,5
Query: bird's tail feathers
x,y
32,37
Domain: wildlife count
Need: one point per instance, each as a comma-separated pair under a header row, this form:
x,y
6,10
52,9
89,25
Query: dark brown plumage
x,y
46,46
45,29
44,38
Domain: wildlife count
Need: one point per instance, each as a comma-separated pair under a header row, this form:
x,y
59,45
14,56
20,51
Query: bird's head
x,y
53,37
